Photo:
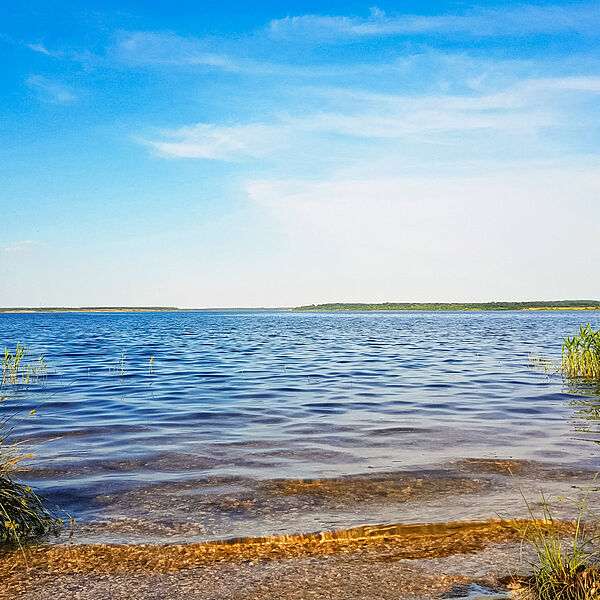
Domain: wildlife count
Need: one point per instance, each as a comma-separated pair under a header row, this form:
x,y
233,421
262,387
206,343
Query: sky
x,y
261,153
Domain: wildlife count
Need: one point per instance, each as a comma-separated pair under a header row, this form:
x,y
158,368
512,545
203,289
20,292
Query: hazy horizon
x,y
273,307
305,152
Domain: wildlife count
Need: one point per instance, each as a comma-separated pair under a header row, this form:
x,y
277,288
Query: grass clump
x,y
17,369
567,567
24,516
581,354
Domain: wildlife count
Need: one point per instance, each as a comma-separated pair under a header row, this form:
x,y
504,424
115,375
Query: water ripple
x,y
264,395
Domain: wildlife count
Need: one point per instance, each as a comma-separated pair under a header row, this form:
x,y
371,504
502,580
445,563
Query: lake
x,y
204,425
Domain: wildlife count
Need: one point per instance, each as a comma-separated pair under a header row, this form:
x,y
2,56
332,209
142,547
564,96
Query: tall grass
x,y
23,514
581,354
567,566
18,368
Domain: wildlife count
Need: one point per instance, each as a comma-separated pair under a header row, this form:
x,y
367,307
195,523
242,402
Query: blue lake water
x,y
191,443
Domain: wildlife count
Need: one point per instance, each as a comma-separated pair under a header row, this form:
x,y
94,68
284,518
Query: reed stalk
x,y
581,354
19,369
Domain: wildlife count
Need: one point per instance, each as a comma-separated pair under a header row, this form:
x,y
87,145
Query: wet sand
x,y
388,561
340,578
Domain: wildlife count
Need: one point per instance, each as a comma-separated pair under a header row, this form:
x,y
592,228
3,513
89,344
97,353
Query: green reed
x,y
581,354
542,363
567,566
19,369
23,514
120,368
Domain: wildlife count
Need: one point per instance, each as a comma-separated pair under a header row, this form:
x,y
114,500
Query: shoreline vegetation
x,y
24,516
541,305
455,306
581,354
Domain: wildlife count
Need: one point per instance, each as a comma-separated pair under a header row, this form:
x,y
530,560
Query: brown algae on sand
x,y
377,542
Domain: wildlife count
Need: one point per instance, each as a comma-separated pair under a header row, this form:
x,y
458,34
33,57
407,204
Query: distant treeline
x,y
450,306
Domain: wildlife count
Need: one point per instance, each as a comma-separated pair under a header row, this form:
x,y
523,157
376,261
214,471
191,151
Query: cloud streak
x,y
20,247
50,90
170,49
229,143
38,47
525,19
525,107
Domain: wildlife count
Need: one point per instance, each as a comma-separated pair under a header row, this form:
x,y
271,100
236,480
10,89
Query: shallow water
x,y
476,592
186,448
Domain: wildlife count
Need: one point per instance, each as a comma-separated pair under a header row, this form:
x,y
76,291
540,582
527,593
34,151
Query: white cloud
x,y
49,90
520,20
522,93
507,233
220,142
525,107
40,48
169,49
20,247
160,48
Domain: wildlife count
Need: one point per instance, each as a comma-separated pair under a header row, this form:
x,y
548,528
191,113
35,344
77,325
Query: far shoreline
x,y
527,306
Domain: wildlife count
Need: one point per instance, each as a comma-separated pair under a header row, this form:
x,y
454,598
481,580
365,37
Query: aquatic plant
x,y
542,364
23,514
567,567
120,368
18,369
581,354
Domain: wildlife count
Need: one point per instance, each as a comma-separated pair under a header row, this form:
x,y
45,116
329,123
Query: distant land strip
x,y
331,307
454,306
66,309
128,309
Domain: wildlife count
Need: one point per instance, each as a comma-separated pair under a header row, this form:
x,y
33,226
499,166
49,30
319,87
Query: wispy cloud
x,y
39,47
20,247
230,143
167,48
50,90
526,106
584,18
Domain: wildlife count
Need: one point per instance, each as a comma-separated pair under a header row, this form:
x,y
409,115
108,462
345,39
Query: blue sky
x,y
276,153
